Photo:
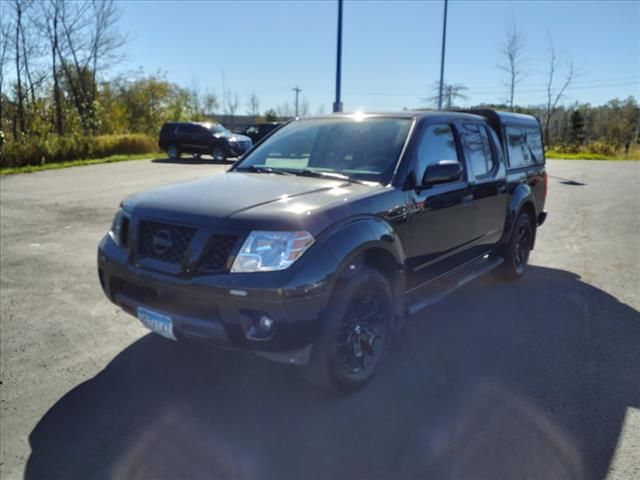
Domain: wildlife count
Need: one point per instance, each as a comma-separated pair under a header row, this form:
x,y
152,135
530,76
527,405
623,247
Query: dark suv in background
x,y
212,139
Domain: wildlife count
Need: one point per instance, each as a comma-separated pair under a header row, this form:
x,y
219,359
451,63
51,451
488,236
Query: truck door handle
x,y
467,199
502,188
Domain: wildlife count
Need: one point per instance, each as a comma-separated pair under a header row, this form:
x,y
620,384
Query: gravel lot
x,y
539,379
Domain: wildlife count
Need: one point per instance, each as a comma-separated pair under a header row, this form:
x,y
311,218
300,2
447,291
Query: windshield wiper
x,y
262,169
307,172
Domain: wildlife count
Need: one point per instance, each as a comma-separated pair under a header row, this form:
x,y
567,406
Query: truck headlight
x,y
270,251
120,229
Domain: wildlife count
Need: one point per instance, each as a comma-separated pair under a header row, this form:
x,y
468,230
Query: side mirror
x,y
442,171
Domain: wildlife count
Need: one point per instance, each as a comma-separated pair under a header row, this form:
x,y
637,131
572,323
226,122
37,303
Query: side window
x,y
524,146
534,144
477,148
437,143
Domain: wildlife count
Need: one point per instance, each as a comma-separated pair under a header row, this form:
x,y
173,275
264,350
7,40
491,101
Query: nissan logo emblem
x,y
162,242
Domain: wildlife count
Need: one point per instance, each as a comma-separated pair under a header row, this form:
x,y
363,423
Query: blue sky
x,y
391,50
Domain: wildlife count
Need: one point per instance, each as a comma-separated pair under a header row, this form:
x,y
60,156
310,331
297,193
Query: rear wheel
x,y
516,252
173,151
357,331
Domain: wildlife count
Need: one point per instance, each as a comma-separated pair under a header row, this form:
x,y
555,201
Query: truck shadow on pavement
x,y
525,380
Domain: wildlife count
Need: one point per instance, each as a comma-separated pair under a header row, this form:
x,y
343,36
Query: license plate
x,y
156,322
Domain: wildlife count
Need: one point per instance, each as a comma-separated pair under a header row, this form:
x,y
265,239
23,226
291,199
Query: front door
x,y
441,221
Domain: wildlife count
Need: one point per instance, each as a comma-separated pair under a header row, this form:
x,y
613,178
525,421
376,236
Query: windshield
x,y
363,149
217,128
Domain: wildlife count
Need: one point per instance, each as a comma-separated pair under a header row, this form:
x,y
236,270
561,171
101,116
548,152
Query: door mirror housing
x,y
442,171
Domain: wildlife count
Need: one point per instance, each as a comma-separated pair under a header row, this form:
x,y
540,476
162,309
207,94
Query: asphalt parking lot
x,y
539,379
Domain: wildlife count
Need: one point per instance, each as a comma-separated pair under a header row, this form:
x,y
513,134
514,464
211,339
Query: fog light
x,y
266,324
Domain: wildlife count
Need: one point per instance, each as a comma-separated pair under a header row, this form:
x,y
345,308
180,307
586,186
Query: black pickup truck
x,y
317,244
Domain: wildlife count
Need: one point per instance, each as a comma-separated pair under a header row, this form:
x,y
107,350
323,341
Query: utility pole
x,y
297,90
337,105
444,40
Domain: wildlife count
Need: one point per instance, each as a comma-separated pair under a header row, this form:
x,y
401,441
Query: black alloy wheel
x,y
173,151
363,327
357,329
218,153
516,252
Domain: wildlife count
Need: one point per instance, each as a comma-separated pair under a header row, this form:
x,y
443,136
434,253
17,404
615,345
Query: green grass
x,y
75,163
588,156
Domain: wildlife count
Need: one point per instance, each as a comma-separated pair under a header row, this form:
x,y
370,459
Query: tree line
x,y
57,60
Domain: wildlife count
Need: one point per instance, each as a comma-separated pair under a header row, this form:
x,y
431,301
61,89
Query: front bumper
x,y
239,148
221,309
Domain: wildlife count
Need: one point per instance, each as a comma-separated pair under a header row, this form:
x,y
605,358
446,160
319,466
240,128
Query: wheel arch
x,y
370,242
522,200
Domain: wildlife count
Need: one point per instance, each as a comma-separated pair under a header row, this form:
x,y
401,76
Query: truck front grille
x,y
162,241
217,253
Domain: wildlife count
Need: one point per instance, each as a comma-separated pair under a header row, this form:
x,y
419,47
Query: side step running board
x,y
435,292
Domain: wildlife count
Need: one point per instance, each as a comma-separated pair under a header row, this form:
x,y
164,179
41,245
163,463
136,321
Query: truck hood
x,y
259,200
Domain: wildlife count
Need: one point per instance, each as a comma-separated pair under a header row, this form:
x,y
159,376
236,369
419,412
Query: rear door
x,y
488,183
440,229
183,134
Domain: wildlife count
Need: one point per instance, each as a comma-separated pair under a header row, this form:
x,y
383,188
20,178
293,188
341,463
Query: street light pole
x,y
444,40
337,105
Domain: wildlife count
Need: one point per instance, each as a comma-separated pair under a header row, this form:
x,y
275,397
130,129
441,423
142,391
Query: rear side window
x,y
524,145
437,143
477,148
534,143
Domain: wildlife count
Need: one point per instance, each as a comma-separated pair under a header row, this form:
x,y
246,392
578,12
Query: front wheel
x,y
219,154
516,251
356,333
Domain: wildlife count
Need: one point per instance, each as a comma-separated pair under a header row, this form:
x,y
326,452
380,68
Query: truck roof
x,y
411,114
495,117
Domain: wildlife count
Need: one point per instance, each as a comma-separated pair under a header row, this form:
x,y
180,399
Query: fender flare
x,y
350,241
522,196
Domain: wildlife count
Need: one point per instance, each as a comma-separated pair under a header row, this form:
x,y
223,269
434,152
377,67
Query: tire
x,y
516,251
218,153
173,151
355,335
